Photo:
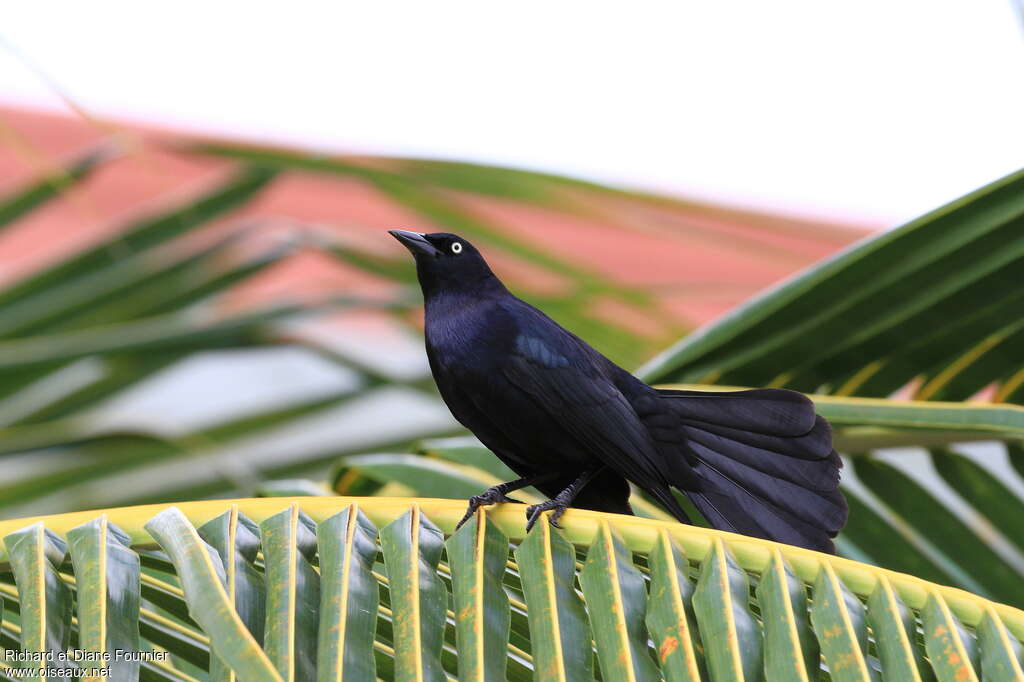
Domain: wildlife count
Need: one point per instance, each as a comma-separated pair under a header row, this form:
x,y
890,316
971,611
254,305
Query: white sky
x,y
875,110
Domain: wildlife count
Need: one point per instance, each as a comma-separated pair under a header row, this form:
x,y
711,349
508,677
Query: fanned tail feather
x,y
757,462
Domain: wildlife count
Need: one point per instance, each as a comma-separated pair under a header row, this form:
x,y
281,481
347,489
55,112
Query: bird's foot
x,y
490,496
534,512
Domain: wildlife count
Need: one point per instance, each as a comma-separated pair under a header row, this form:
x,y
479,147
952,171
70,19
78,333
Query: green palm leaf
x,y
863,619
477,554
931,308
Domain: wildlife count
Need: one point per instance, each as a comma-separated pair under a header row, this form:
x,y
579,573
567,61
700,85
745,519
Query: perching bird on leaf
x,y
578,427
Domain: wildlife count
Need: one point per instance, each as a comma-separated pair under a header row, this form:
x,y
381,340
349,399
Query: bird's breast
x,y
465,337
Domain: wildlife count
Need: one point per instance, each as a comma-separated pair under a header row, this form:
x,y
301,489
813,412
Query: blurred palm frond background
x,y
186,317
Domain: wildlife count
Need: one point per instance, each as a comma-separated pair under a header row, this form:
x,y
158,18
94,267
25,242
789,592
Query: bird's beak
x,y
416,242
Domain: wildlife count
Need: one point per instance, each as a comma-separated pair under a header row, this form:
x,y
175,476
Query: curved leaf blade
x,y
730,634
951,649
559,629
614,588
293,593
349,596
202,577
790,649
477,554
412,548
840,622
35,553
895,631
235,539
670,616
1000,651
108,587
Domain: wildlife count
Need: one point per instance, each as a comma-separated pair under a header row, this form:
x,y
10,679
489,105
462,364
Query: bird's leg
x,y
559,502
499,493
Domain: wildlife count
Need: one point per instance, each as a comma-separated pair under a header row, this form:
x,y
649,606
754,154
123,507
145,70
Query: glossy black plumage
x,y
578,427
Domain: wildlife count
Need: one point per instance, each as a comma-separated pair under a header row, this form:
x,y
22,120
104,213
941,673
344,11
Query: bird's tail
x,y
763,463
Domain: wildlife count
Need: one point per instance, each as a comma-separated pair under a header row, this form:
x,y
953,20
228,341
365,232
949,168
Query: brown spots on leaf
x,y
962,670
670,644
847,660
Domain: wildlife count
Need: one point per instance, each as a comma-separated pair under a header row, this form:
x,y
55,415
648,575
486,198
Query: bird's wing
x,y
563,379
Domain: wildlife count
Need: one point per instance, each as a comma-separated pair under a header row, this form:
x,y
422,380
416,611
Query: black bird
x,y
578,427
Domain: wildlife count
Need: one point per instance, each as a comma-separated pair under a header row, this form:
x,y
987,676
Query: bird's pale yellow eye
x,y
456,247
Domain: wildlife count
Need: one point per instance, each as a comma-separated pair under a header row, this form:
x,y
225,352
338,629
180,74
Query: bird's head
x,y
446,262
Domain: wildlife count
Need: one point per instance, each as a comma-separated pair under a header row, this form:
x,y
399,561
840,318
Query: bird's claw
x,y
489,496
534,512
